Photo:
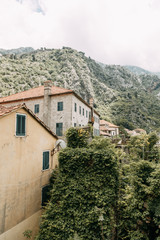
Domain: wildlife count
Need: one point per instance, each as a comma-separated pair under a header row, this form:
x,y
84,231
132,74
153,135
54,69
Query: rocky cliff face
x,y
118,93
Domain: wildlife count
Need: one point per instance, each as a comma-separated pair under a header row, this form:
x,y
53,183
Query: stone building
x,y
108,129
26,163
57,107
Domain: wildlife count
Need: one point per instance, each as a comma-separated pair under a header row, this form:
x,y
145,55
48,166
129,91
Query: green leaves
x,y
85,189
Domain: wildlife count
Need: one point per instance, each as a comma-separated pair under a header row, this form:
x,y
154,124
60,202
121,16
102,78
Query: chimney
x,y
91,101
47,103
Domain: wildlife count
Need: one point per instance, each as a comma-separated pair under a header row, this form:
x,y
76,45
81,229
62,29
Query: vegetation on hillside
x,y
117,92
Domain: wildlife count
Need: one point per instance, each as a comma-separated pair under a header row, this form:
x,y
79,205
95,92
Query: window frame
x,y
75,107
57,133
44,169
35,108
60,106
21,134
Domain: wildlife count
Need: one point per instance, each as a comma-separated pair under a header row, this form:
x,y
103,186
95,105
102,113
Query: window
x,y
60,106
59,129
89,115
36,108
83,111
45,160
75,124
45,195
20,125
75,107
79,109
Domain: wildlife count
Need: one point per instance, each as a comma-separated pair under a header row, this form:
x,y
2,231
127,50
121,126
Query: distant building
x,y
26,163
135,132
108,129
57,107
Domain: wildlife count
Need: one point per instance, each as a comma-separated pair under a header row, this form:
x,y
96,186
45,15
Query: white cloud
x,y
111,31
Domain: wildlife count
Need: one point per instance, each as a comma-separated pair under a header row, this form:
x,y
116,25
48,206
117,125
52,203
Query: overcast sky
x,y
124,32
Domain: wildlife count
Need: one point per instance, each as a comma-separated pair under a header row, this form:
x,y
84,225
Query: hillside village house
x,y
108,129
57,107
26,163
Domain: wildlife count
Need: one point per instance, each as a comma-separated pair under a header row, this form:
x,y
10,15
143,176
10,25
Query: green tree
x,y
84,195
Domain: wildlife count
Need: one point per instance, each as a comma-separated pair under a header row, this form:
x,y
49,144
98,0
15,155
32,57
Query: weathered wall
x,y
16,233
21,175
61,116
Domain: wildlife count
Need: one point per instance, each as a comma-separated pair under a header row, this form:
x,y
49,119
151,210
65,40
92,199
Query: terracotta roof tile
x,y
5,110
34,93
104,134
103,122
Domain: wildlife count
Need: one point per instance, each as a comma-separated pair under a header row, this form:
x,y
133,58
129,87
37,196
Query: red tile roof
x,y
103,122
34,93
7,110
105,134
38,93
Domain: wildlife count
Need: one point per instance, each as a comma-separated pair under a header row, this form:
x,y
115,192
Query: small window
x,y
75,124
79,109
36,108
83,111
75,107
59,129
60,106
45,195
20,125
86,114
45,160
89,115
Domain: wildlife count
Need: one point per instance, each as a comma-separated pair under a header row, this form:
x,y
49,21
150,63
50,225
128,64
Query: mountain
x,y
119,95
137,70
16,51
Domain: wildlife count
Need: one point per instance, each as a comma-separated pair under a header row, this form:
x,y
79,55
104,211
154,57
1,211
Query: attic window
x,y
20,125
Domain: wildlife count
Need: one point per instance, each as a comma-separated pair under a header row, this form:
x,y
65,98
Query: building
x,y
57,107
108,129
135,132
26,162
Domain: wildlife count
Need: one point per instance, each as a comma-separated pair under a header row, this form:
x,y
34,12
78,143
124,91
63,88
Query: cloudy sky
x,y
125,32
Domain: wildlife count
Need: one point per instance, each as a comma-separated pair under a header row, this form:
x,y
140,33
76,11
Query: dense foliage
x,y
100,192
118,93
84,196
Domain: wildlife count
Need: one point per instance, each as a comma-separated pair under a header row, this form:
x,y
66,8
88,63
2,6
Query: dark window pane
x,y
59,129
36,108
45,160
75,107
45,195
60,106
20,125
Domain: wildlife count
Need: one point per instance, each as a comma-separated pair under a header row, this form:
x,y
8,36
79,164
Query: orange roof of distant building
x,y
104,122
139,130
104,134
7,110
34,93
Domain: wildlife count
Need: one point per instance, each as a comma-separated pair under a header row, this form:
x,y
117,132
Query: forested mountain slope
x,y
118,93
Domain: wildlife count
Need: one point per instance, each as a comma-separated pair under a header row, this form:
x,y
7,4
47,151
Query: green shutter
x,y
60,106
59,129
20,125
45,160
